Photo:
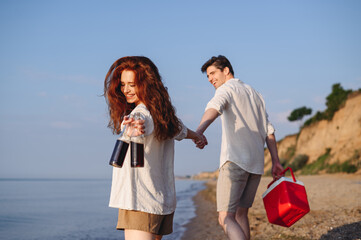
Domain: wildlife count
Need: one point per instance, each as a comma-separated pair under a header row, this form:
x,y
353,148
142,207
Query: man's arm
x,y
272,147
208,117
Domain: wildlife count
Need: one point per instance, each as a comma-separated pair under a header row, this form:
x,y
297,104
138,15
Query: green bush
x,y
346,167
299,162
322,164
356,159
299,113
349,166
334,101
284,162
318,117
318,165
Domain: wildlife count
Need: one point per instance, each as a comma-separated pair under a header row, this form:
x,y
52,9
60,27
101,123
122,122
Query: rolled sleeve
x,y
220,100
214,106
183,132
270,128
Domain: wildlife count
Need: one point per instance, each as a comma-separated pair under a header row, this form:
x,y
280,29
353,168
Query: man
x,y
245,129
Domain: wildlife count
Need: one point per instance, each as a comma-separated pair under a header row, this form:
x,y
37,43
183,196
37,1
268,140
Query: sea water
x,y
60,209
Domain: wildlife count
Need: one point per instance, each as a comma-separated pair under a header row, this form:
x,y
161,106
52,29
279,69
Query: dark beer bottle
x,y
119,152
136,154
137,147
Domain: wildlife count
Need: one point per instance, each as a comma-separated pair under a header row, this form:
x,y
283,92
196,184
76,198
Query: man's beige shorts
x,y
235,188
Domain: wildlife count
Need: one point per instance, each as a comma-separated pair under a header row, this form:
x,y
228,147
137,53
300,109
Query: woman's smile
x,y
128,87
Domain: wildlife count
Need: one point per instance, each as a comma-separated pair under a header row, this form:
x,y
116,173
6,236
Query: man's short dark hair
x,y
219,62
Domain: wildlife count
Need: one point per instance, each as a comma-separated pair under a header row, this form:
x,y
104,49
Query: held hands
x,y
135,127
200,140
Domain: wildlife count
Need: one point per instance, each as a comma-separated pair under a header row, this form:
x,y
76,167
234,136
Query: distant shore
x,y
335,202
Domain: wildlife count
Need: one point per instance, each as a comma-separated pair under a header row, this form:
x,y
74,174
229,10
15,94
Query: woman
x,y
145,196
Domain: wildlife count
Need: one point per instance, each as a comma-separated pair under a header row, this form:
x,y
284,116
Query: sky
x,y
54,56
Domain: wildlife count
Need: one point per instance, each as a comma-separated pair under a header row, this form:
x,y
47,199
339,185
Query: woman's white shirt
x,y
150,188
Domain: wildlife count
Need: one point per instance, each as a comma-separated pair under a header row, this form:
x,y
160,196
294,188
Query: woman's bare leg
x,y
131,234
158,237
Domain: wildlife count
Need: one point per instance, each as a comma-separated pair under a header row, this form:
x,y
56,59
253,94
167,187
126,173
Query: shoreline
x,y
205,224
334,199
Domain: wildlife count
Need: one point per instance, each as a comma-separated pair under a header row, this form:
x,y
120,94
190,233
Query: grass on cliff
x,y
286,158
299,163
319,165
350,166
322,164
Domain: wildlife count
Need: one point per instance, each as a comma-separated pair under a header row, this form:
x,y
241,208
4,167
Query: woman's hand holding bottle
x,y
135,131
135,127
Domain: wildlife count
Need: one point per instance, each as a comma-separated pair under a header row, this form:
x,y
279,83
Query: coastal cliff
x,y
325,143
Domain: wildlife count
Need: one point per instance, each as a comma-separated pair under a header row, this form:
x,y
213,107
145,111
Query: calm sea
x,y
73,209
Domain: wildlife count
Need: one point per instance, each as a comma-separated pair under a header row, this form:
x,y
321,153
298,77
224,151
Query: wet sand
x,y
335,202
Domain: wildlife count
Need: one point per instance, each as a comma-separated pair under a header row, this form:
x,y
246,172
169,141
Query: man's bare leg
x,y
242,220
230,226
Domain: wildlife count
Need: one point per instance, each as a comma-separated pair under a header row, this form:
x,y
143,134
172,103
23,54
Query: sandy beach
x,y
335,202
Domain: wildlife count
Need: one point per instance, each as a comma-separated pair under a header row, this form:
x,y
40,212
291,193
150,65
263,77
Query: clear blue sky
x,y
54,56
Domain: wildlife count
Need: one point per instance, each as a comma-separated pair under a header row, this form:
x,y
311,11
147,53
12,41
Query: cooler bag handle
x,y
282,173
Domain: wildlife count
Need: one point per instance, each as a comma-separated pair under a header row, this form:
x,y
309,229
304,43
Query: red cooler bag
x,y
285,201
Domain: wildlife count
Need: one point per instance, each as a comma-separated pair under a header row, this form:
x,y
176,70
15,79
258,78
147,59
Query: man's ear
x,y
226,70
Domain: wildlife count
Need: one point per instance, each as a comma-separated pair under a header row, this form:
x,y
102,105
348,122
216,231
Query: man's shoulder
x,y
234,83
240,84
238,87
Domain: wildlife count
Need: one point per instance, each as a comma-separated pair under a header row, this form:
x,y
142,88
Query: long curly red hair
x,y
150,91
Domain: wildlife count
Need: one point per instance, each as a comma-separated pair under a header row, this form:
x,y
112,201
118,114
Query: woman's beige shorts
x,y
235,188
136,220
